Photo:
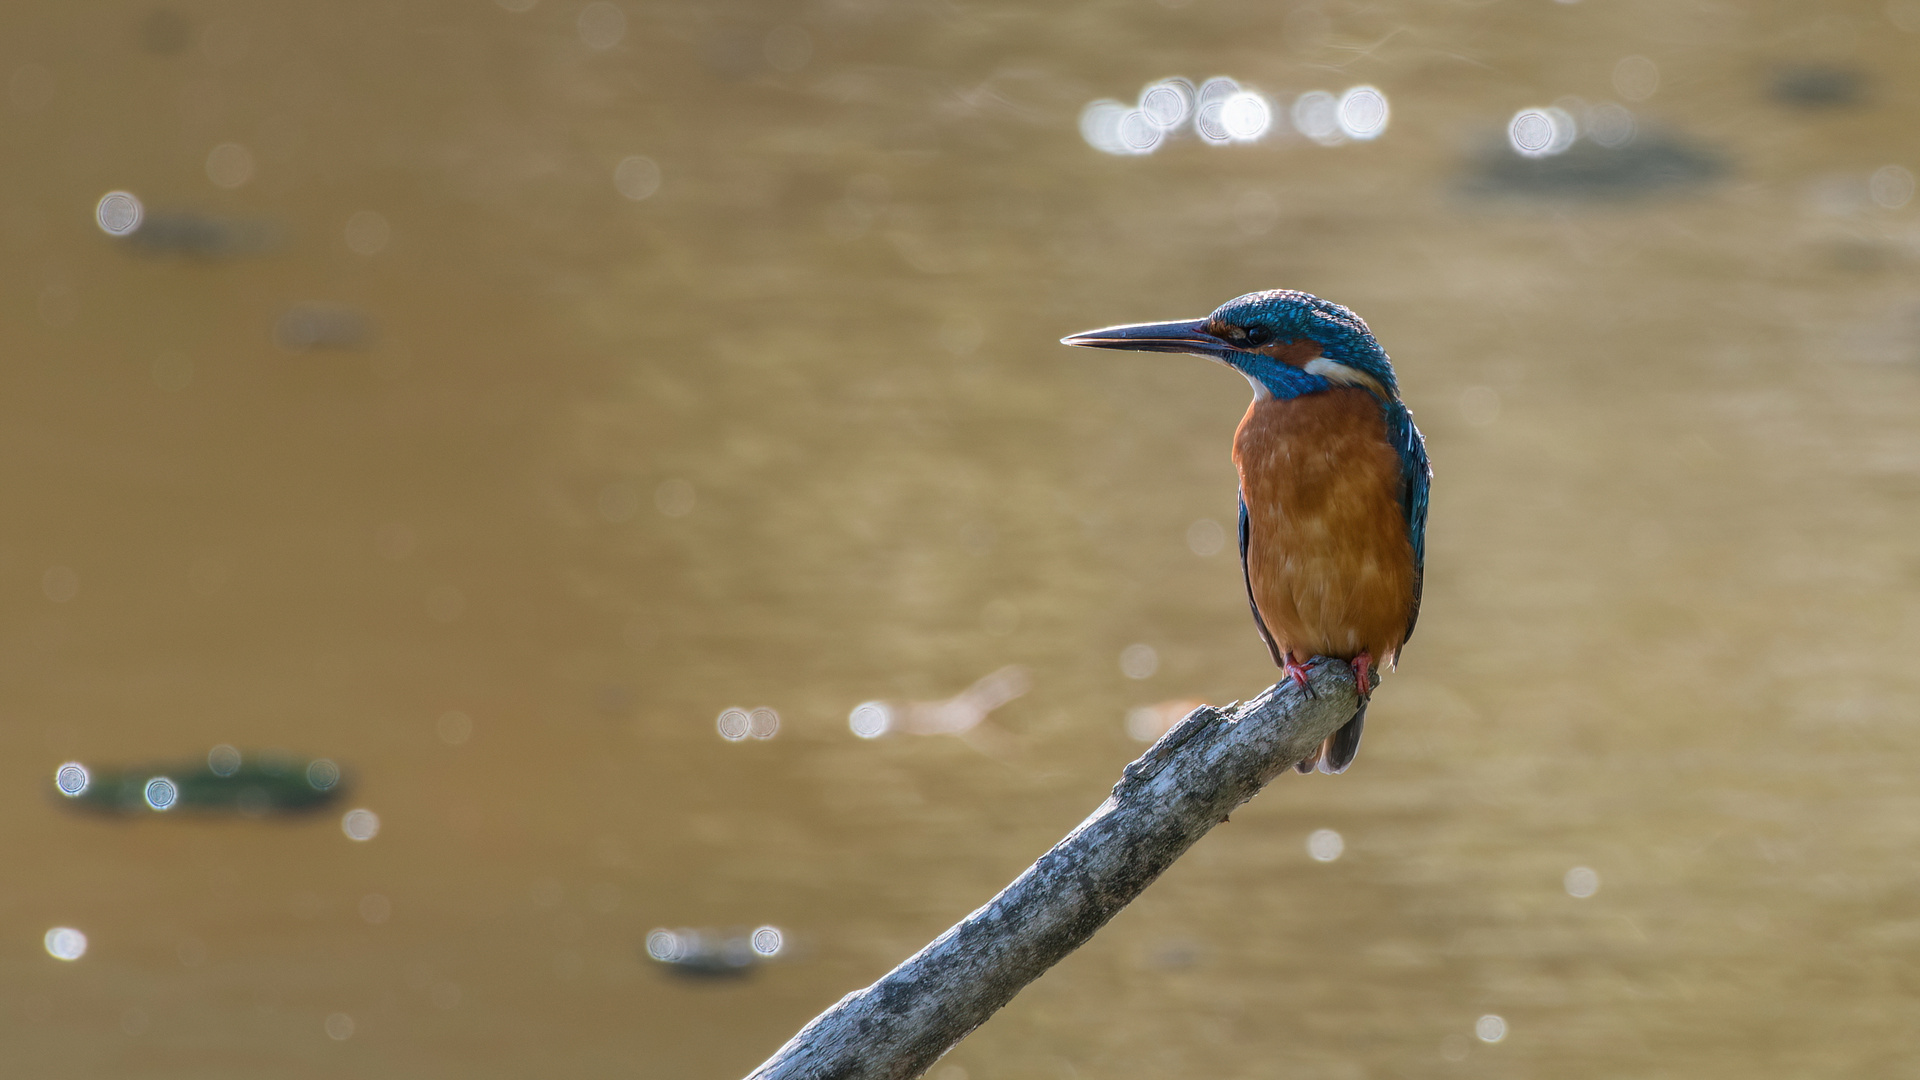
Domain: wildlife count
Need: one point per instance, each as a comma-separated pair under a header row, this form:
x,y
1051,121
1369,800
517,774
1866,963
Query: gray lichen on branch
x,y
1186,783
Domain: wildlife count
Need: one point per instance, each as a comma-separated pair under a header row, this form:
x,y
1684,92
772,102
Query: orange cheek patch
x,y
1298,353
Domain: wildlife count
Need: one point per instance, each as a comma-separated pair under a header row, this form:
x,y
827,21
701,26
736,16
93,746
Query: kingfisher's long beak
x,y
1173,337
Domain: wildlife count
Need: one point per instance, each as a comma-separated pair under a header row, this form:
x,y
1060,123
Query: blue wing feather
x,y
1416,474
1246,576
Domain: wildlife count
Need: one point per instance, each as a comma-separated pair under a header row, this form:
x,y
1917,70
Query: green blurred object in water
x,y
251,785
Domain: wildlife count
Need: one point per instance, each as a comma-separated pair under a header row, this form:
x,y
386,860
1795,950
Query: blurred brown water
x,y
567,473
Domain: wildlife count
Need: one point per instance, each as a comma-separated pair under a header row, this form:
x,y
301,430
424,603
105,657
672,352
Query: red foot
x,y
1362,666
1296,672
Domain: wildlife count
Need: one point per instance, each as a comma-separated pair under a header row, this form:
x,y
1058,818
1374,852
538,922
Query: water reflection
x,y
1663,424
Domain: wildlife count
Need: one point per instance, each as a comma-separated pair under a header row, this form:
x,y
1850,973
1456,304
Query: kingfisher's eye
x,y
1257,335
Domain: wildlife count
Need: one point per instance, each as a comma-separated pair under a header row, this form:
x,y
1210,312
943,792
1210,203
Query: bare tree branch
x,y
1188,782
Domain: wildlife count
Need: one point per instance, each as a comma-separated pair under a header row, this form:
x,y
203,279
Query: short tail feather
x,y
1339,749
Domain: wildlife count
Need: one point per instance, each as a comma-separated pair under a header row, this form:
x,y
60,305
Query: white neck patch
x,y
1340,374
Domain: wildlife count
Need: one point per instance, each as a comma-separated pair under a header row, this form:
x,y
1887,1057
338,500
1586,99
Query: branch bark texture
x,y
1185,784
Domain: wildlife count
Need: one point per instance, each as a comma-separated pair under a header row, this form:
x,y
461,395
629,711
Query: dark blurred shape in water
x,y
202,236
1651,162
227,781
1817,86
707,953
322,326
165,32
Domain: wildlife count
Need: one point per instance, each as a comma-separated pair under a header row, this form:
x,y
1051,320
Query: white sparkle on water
x,y
1581,882
1325,845
119,213
72,779
360,825
65,943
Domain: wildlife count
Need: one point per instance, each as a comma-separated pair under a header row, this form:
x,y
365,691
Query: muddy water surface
x,y
538,478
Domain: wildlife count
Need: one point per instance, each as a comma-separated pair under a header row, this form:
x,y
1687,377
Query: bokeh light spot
x,y
161,793
1490,1028
119,213
339,1027
65,943
734,724
1139,661
1891,186
72,779
1325,845
360,825
637,177
1205,537
1363,113
454,727
1246,116
229,165
1611,125
870,719
1100,125
375,909
322,774
1316,114
768,941
1636,78
61,584
1167,104
763,723
1581,882
1541,132
223,760
664,946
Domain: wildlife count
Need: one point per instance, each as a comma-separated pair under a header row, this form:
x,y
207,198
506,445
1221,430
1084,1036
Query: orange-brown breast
x,y
1329,561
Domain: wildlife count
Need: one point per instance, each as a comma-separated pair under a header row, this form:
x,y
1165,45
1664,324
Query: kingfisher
x,y
1333,484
